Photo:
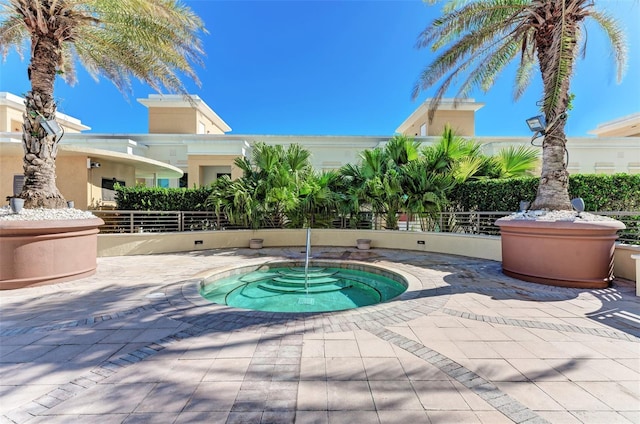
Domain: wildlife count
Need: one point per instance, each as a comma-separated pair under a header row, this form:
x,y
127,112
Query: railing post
x,y
180,221
131,221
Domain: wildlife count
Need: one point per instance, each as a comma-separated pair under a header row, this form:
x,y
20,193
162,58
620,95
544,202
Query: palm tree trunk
x,y
556,48
553,190
41,149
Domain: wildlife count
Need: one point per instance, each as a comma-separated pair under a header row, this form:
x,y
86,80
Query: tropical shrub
x,y
142,198
618,192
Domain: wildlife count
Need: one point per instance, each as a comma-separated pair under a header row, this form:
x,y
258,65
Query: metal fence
x,y
119,221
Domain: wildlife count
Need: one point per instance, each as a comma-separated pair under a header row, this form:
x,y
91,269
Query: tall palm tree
x,y
152,40
481,37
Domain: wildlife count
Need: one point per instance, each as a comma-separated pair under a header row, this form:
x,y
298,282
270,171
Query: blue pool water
x,y
284,288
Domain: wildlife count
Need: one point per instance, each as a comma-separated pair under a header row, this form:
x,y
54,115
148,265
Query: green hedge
x,y
618,192
161,199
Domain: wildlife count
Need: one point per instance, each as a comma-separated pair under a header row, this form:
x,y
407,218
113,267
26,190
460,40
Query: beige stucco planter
x,y
34,253
559,253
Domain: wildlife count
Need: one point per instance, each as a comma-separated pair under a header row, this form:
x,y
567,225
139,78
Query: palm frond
x,y
616,37
12,32
560,56
516,161
528,62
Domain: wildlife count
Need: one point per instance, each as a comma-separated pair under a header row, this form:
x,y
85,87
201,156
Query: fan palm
x,y
270,188
514,162
154,41
426,191
381,169
481,37
318,201
455,156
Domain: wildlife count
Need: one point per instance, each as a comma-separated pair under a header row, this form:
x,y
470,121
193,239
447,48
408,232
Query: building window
x,y
108,192
163,182
209,174
423,130
18,183
183,181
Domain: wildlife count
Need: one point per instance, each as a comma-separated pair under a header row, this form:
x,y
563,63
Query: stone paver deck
x,y
136,344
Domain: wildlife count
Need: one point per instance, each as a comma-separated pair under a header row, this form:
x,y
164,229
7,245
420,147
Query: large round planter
x,y
559,253
34,253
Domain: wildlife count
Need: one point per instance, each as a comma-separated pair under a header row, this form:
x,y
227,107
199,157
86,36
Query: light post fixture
x,y
537,124
51,127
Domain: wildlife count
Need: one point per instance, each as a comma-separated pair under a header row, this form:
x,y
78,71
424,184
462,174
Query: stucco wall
x,y
196,162
10,119
485,247
167,120
462,122
71,179
109,170
624,264
9,166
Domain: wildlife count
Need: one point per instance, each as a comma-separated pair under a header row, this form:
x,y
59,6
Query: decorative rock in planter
x,y
41,252
561,253
255,243
363,244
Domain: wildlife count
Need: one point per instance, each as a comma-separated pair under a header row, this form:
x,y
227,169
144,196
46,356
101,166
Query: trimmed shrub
x,y
617,192
161,199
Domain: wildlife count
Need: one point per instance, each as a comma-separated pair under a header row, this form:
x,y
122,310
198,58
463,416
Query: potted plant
x,y
16,204
481,37
256,243
157,49
363,244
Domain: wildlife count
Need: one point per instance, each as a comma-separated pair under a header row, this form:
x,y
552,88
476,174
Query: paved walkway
x,y
136,344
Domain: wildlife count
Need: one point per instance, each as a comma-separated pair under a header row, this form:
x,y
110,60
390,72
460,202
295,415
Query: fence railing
x,y
120,221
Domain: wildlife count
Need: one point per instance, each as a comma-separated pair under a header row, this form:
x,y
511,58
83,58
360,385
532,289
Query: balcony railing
x,y
120,221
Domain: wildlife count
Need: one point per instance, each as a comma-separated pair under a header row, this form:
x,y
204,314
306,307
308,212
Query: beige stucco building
x,y
459,115
627,126
187,145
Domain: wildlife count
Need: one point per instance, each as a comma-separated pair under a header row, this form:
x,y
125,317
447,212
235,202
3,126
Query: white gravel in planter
x,y
572,216
40,214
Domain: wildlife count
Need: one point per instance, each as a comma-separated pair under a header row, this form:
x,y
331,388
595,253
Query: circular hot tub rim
x,y
411,283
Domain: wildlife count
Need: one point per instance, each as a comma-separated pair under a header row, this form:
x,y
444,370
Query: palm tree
x,y
380,171
270,189
152,40
317,201
426,192
513,162
456,156
481,37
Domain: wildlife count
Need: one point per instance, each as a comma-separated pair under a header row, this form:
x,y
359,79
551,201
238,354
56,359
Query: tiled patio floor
x,y
136,344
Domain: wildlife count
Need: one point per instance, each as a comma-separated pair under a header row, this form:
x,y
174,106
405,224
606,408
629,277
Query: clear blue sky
x,y
339,68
